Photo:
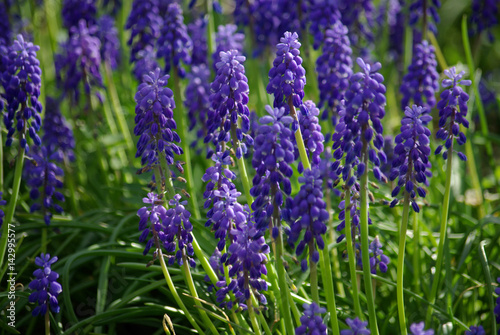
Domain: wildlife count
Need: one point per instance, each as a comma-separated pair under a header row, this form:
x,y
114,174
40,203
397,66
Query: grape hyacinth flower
x,y
45,286
2,214
307,212
174,43
5,31
411,163
364,102
197,100
22,83
357,16
418,329
144,23
108,35
322,15
497,307
247,263
197,30
416,11
353,211
452,112
80,62
475,330
396,21
388,149
154,120
311,322
75,10
334,68
241,12
484,17
43,177
216,177
377,257
287,77
227,38
420,84
311,135
170,228
356,327
271,160
58,136
229,100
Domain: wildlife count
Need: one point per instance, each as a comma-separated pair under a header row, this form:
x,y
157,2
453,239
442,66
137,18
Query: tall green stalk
x,y
324,256
442,235
365,244
350,254
12,203
313,273
416,253
180,117
253,319
401,262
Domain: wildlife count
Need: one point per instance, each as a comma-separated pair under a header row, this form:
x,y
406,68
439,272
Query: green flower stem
x,y
416,252
1,162
401,263
293,306
313,273
439,54
324,256
253,318
117,108
298,137
47,323
264,324
12,203
365,244
181,128
241,166
210,31
442,235
175,294
350,254
114,131
70,181
189,281
44,239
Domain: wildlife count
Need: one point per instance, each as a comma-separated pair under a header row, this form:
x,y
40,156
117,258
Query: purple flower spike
x,y
311,321
246,261
411,155
174,43
197,30
273,154
356,327
5,31
22,82
334,68
154,119
287,77
216,177
311,134
484,17
229,100
322,15
108,35
75,10
416,11
58,136
170,228
197,100
79,63
45,286
307,212
357,15
227,39
2,214
452,112
475,330
377,257
144,23
420,84
418,329
43,177
360,121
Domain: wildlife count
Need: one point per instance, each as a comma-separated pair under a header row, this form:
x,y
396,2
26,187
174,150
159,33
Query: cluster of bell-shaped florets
x,y
154,120
287,77
170,228
311,135
411,163
321,15
45,286
307,213
452,112
273,154
21,80
334,68
57,134
227,38
420,84
312,322
174,43
416,10
229,100
377,258
110,44
75,10
197,30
